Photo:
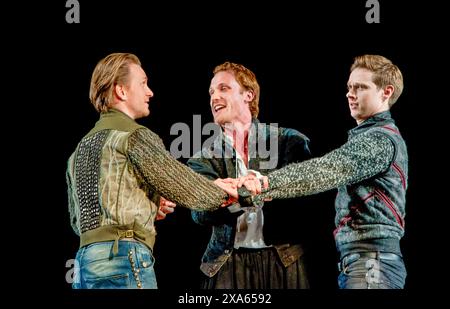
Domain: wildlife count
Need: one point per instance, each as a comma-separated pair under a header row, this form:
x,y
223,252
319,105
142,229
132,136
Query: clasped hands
x,y
229,185
250,182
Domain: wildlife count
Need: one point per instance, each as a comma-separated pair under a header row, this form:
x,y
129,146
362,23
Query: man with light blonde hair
x,y
121,179
370,172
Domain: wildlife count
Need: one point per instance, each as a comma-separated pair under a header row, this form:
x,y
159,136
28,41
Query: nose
x,y
350,94
149,92
214,97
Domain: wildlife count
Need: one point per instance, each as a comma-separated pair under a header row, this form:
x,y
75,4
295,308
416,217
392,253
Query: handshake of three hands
x,y
251,182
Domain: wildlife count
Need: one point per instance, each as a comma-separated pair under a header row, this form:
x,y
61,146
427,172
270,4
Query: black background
x,y
300,52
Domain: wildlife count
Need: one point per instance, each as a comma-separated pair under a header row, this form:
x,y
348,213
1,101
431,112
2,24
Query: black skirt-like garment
x,y
258,269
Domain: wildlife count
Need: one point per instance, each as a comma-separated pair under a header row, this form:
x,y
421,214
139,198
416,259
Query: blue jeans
x,y
96,267
372,270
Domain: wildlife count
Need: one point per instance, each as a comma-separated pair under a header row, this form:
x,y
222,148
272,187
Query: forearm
x,y
171,179
361,158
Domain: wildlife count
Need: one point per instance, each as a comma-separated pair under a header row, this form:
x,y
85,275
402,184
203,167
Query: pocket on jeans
x,y
145,258
112,269
120,281
350,261
356,268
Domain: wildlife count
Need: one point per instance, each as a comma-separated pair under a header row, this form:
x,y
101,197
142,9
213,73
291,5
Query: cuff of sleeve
x,y
256,173
229,200
235,207
247,200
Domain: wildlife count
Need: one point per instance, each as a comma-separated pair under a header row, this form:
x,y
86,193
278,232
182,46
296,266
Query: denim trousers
x,y
96,267
367,272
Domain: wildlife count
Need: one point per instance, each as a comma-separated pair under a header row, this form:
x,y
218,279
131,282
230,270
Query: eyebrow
x,y
223,85
356,84
218,86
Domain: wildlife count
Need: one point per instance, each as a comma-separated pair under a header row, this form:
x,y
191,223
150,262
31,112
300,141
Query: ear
x,y
387,92
249,95
120,92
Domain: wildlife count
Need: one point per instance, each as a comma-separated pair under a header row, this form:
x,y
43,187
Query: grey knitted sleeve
x,y
362,157
168,177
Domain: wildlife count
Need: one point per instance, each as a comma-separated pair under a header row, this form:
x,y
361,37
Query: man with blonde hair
x,y
371,174
117,177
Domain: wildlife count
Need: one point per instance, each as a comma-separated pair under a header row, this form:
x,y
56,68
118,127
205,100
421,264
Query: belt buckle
x,y
125,234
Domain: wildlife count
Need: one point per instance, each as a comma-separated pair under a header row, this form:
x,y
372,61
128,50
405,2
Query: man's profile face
x,y
364,97
138,92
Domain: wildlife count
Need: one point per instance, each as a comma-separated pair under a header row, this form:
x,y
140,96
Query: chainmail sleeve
x,y
360,158
168,177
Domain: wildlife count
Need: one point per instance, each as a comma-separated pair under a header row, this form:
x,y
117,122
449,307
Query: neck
x,y
238,132
383,109
124,109
236,129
